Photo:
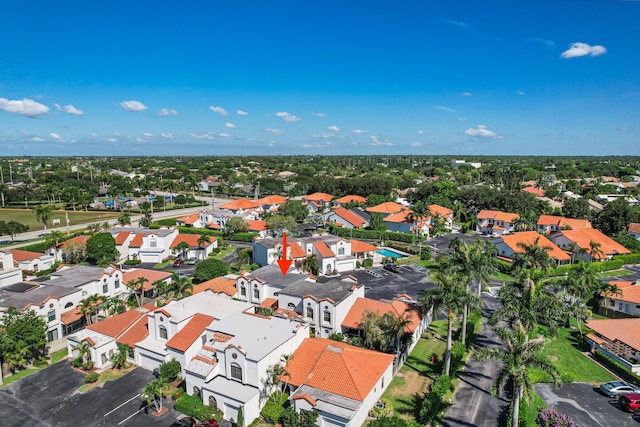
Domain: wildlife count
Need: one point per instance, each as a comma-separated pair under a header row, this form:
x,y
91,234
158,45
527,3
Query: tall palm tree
x,y
582,280
533,255
518,355
575,251
119,358
182,248
595,250
43,214
180,287
153,393
203,241
53,239
87,307
137,286
311,264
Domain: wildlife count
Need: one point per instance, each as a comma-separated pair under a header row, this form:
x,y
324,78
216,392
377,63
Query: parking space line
x,y
120,406
131,416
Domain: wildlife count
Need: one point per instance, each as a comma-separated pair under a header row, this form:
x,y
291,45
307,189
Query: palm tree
x,y
137,286
518,355
203,241
182,248
53,239
533,255
582,280
180,287
84,350
595,250
119,359
87,307
43,214
311,264
575,250
114,305
153,393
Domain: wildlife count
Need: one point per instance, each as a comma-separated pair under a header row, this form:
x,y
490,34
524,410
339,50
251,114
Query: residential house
x,y
209,183
634,230
317,202
625,303
258,226
510,245
61,253
588,244
192,220
551,223
9,273
220,285
405,221
534,190
362,250
498,222
441,213
617,339
217,218
346,218
195,250
143,244
230,367
266,283
340,381
31,262
386,209
349,199
271,203
241,206
150,279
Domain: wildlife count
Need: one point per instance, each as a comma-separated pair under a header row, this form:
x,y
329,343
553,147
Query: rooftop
x,y
190,332
583,237
78,275
215,305
22,296
272,275
334,289
381,284
139,230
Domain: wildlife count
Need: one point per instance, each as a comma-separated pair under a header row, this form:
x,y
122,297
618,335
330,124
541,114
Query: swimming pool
x,y
390,253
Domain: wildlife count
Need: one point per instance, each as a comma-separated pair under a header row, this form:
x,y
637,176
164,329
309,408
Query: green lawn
x,y
54,358
224,252
109,375
163,264
503,277
530,411
613,273
27,217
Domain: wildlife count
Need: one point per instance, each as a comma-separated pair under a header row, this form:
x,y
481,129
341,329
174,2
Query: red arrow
x,y
284,263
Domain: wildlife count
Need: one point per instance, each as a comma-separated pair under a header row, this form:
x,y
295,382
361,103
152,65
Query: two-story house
x,y
241,206
509,245
271,203
441,213
31,262
386,209
344,200
548,224
496,222
347,218
588,244
406,222
624,303
143,244
195,250
317,202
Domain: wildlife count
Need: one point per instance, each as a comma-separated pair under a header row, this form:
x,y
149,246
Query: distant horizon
x,y
287,78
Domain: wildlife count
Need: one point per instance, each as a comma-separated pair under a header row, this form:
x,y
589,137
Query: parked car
x,y
614,388
192,261
208,423
178,262
391,267
630,402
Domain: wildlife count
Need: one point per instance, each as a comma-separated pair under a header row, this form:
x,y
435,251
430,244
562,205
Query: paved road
x,y
473,404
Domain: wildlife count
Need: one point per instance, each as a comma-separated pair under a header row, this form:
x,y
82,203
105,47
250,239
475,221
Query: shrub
x,y
336,336
568,377
457,354
77,362
433,405
367,262
88,365
177,393
537,376
618,368
132,262
209,269
274,408
384,411
358,264
91,377
192,406
169,370
549,417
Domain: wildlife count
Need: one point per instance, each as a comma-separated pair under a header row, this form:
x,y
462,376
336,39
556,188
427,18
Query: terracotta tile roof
x,y
337,368
20,255
595,338
121,237
560,221
498,215
306,397
190,332
624,330
634,227
269,303
296,251
529,238
214,226
318,197
78,239
386,208
535,191
582,237
217,285
402,216
136,242
70,316
272,200
208,360
152,276
398,308
323,250
220,337
256,225
189,219
190,239
358,247
629,291
236,205
351,199
349,216
138,332
116,325
439,210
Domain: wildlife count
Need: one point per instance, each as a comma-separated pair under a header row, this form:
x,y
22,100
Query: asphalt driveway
x,y
584,403
50,398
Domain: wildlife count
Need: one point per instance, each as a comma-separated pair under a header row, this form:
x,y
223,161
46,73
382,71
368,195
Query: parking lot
x,y
50,398
586,405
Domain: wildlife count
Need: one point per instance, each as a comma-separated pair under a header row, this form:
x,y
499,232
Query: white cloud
x,y
443,108
334,128
319,114
287,117
482,132
274,131
462,119
242,113
520,93
36,139
55,136
133,106
218,110
307,146
25,107
357,131
583,49
70,109
165,112
112,140
377,142
224,135
147,134
167,135
322,135
420,132
229,125
58,107
202,135
467,94
415,144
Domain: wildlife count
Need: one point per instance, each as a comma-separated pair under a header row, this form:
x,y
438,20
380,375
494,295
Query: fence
x,y
55,345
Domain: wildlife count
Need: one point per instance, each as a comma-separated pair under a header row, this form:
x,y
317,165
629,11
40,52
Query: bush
x,y
359,233
91,377
88,365
617,368
77,362
192,406
177,393
537,376
367,262
336,336
169,370
457,355
274,408
132,262
628,259
209,269
358,264
568,377
549,417
385,411
433,405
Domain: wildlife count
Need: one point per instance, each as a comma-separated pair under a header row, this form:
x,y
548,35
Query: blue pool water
x,y
390,253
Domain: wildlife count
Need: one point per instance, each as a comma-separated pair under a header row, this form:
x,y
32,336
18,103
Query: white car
x,y
615,388
192,261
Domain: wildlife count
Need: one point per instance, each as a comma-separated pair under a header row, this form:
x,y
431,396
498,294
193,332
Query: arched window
x,y
51,315
256,293
196,391
213,402
291,306
327,316
243,291
163,332
310,312
153,243
69,304
236,372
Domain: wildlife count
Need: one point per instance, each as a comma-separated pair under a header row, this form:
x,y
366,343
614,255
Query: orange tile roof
x,y
398,308
136,242
498,215
349,216
235,205
439,210
351,199
121,237
323,250
402,216
214,226
337,367
535,191
190,239
582,237
629,291
531,237
319,197
152,276
271,200
634,227
116,325
190,333
138,332
217,285
20,255
269,303
624,330
70,316
357,247
189,219
386,208
560,221
256,225
296,251
78,239
221,337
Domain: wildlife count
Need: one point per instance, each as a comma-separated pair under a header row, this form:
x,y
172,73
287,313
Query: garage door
x,y
328,422
149,362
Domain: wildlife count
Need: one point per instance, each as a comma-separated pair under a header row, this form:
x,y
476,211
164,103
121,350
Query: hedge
x,y
192,406
628,259
274,408
618,368
359,233
239,237
91,377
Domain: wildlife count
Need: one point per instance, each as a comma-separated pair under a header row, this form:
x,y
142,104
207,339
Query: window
x,y
310,312
291,305
163,332
256,293
196,391
153,243
327,316
103,357
243,291
340,251
236,372
51,315
105,288
213,402
69,304
52,335
117,283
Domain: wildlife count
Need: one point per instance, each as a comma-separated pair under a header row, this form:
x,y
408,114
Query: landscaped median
x,y
108,375
53,358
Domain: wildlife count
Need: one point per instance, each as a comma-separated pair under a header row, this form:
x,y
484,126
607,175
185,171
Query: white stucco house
x,y
9,273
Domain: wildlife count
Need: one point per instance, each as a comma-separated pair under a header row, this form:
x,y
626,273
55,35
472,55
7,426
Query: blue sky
x,y
471,77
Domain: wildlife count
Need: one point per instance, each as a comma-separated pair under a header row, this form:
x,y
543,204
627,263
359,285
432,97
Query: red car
x,y
208,423
630,402
178,262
